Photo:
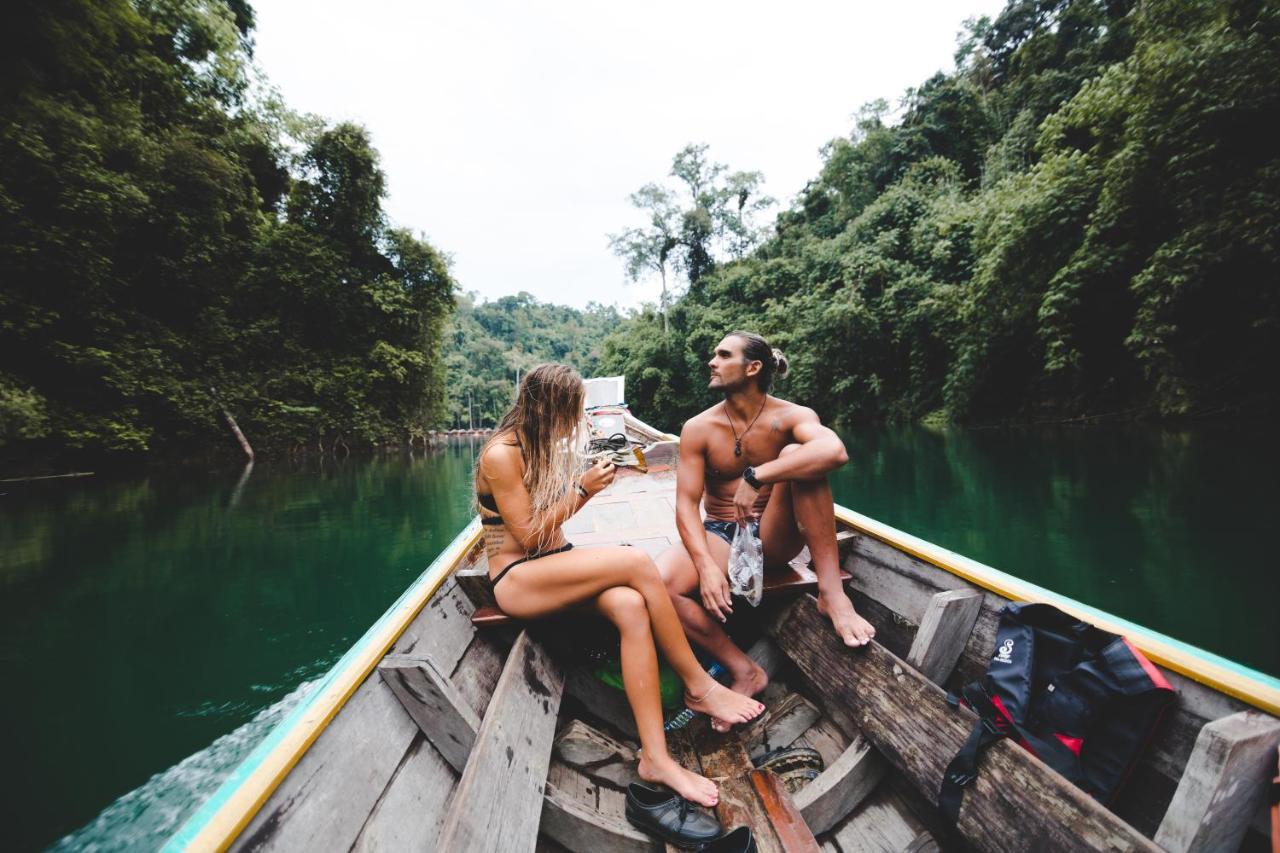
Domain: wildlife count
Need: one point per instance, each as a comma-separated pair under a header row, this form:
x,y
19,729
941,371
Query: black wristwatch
x,y
749,474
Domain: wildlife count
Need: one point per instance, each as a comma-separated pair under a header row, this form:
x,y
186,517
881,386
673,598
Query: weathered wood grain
x,y
780,724
408,814
1015,803
881,823
725,761
473,580
944,632
583,817
442,631
841,786
326,799
784,818
906,585
1223,786
478,671
440,710
498,801
596,755
947,622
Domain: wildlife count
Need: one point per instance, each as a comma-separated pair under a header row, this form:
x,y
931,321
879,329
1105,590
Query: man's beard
x,y
728,388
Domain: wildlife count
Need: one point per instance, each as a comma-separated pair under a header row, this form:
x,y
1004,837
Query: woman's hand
x,y
598,477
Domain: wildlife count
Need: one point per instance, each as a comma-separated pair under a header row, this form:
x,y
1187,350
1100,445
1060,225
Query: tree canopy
x,y
171,236
1079,219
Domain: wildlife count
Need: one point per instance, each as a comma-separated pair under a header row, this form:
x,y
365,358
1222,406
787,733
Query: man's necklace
x,y
737,439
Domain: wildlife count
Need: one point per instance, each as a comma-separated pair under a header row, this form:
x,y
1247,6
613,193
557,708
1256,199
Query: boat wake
x,y
144,818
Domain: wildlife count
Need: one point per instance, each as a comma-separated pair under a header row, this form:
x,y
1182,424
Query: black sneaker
x,y
737,840
669,816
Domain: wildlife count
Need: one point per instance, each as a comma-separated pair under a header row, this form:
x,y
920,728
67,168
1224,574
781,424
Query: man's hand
x,y
713,583
744,502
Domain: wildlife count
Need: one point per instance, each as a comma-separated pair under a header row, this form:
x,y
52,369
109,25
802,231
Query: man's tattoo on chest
x,y
776,426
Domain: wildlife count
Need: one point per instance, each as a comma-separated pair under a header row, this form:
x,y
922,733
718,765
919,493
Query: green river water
x,y
154,628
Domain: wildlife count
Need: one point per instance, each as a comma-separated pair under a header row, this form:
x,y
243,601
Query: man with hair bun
x,y
753,459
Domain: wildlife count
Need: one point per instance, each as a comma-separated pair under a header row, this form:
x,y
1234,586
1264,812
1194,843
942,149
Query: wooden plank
x,y
473,580
334,786
498,801
585,817
477,673
882,822
725,761
947,622
841,786
439,709
782,722
1016,802
442,631
409,812
596,755
906,585
784,818
1225,783
944,631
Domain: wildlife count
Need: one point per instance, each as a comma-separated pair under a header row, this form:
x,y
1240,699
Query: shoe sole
x,y
670,838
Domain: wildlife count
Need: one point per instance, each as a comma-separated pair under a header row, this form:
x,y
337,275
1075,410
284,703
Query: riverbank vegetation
x,y
173,239
1078,220
491,344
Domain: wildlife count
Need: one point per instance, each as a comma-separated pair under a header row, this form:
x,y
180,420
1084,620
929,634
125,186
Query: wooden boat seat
x,y
790,579
795,577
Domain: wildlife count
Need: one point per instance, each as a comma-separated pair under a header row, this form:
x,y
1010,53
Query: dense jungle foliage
x,y
173,239
493,343
1082,219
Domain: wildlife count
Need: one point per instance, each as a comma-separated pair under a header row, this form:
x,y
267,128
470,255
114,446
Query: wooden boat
x,y
450,727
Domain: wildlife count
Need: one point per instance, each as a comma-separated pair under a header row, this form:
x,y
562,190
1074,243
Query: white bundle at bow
x,y
746,564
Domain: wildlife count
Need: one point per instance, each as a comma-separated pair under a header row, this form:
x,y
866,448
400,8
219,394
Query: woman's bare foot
x,y
724,706
852,628
691,786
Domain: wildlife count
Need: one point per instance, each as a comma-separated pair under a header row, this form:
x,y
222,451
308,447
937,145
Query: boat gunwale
x,y
1214,671
218,822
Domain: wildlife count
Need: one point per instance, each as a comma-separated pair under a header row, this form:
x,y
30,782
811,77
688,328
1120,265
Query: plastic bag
x,y
746,564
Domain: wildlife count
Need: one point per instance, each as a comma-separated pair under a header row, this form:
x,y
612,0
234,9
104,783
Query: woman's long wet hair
x,y
547,422
773,362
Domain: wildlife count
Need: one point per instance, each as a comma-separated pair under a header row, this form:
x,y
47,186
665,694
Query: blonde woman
x,y
527,487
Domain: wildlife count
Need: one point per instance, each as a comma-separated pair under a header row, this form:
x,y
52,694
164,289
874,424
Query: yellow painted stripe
x,y
1178,657
244,803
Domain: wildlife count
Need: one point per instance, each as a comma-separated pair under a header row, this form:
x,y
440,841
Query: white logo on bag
x,y
1004,653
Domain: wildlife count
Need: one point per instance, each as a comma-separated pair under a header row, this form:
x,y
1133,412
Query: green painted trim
x,y
197,822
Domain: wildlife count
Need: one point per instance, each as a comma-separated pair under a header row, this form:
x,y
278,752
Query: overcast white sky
x,y
512,134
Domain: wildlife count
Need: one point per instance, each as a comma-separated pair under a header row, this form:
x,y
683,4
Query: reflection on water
x,y
142,620
1167,528
152,630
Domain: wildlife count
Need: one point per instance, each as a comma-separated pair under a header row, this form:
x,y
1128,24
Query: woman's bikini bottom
x,y
566,547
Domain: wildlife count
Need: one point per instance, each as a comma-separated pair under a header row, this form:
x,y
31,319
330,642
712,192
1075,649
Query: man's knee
x,y
676,569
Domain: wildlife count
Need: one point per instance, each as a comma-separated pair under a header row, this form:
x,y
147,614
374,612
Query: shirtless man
x,y
753,458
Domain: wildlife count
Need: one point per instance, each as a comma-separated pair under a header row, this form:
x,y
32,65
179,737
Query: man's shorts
x,y
726,530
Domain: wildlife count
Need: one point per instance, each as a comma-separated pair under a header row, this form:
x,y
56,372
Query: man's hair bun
x,y
780,363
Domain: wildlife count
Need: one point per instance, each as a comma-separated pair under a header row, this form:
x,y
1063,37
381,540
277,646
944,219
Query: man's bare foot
x,y
750,681
852,628
691,786
724,706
